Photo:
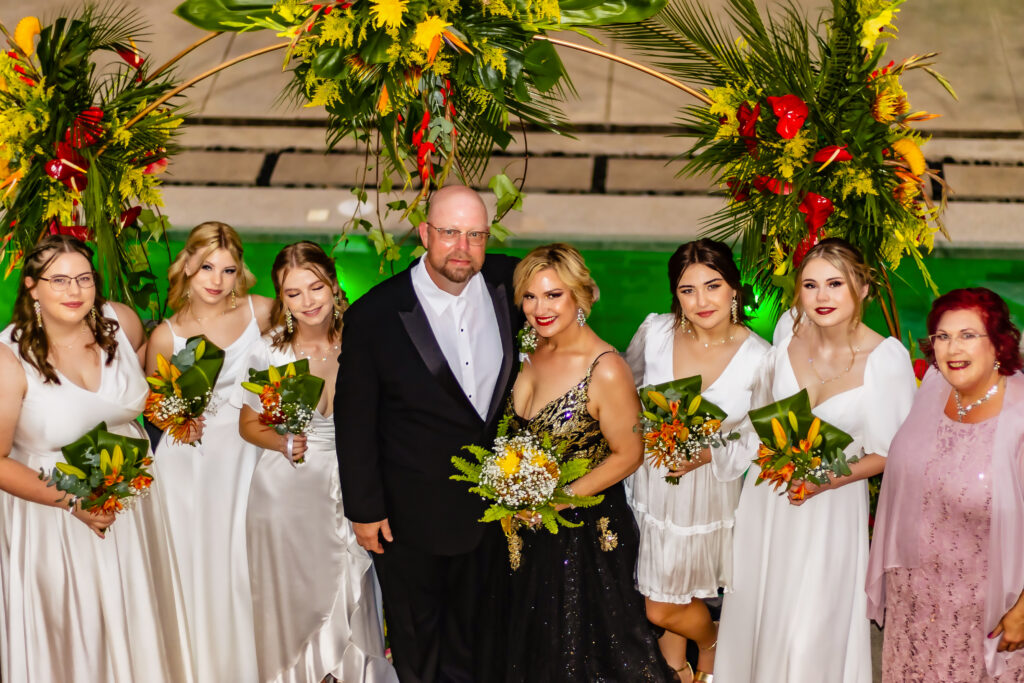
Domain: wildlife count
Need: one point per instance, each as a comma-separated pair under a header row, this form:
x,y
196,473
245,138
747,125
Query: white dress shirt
x,y
466,329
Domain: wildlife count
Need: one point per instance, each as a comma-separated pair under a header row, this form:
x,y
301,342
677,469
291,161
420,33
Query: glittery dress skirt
x,y
570,612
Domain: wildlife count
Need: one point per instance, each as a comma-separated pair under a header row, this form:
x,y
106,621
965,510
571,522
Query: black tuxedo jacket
x,y
400,415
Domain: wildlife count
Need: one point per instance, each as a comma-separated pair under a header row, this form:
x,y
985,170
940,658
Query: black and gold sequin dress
x,y
570,613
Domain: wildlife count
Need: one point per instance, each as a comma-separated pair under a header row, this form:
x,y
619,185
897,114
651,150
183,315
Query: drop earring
x,y
288,321
684,324
38,308
735,309
581,317
337,307
234,303
95,315
996,366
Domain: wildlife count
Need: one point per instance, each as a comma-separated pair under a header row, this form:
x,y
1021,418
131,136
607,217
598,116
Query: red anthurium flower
x,y
803,247
816,210
920,367
81,232
747,118
792,112
85,129
129,216
827,155
69,167
773,185
131,56
740,191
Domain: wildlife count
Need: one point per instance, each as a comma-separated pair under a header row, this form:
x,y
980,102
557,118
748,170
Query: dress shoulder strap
x,y
170,327
593,364
252,308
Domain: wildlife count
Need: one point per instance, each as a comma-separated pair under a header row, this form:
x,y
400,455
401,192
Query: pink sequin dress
x,y
934,628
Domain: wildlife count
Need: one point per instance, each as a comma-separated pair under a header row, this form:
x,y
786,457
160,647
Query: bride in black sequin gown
x,y
570,612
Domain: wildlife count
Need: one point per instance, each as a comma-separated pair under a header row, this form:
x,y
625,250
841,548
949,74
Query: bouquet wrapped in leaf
x,y
674,434
289,395
797,446
523,472
180,389
102,470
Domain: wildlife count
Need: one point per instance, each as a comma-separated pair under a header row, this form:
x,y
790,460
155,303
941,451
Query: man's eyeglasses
x,y
475,238
59,283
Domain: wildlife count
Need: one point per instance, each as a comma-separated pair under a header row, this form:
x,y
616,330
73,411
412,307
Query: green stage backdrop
x,y
633,281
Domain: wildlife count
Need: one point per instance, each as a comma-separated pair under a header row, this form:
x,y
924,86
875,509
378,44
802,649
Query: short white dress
x,y
77,608
315,594
686,529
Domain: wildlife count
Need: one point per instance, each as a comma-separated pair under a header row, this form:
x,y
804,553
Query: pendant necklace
x,y
74,340
853,357
708,345
961,411
303,354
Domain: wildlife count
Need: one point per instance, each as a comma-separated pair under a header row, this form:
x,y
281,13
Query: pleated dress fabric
x,y
315,594
78,608
207,491
686,529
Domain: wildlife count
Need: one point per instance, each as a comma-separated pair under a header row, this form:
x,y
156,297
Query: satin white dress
x,y
798,612
686,529
314,590
77,608
207,490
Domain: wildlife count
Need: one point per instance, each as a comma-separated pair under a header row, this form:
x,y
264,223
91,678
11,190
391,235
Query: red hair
x,y
1003,334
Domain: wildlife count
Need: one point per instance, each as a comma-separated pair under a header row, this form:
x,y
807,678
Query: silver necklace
x,y
961,411
708,345
853,357
303,354
74,340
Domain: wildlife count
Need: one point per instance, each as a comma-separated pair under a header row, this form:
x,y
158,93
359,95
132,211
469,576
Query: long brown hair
x,y
205,239
312,257
29,334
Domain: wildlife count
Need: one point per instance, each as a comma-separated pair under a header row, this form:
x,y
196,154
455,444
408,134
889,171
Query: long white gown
x,y
77,608
686,529
798,612
207,489
314,589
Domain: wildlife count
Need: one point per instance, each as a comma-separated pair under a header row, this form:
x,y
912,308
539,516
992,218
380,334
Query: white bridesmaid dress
x,y
77,608
686,529
314,590
798,612
207,489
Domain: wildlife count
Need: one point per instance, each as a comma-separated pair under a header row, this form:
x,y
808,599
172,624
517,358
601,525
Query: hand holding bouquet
x,y
102,470
523,473
797,447
289,395
180,390
674,435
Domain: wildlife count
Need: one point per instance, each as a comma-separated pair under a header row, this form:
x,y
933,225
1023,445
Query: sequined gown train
x,y
570,612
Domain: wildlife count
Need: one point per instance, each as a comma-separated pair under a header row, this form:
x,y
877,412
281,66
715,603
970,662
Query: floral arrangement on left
x,y
76,157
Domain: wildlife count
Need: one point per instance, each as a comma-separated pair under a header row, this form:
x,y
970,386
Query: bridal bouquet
x,y
181,388
797,446
102,470
289,395
673,436
523,473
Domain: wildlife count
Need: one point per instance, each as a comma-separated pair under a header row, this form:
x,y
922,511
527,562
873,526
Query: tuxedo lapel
x,y
499,298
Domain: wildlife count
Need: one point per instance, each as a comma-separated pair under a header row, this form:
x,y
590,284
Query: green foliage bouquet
x,y
181,388
288,394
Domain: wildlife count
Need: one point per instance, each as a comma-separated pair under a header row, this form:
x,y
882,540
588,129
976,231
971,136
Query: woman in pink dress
x,y
947,561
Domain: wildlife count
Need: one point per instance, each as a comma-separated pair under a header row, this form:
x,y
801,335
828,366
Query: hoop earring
x,y
38,308
581,317
234,304
684,324
734,308
288,321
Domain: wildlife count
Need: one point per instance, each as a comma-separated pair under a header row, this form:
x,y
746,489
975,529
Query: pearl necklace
x,y
853,357
708,345
961,411
303,354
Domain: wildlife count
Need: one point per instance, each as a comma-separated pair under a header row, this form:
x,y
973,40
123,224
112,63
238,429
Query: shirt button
x,y
467,362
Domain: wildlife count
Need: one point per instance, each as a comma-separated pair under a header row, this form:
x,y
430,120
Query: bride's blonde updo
x,y
205,239
568,264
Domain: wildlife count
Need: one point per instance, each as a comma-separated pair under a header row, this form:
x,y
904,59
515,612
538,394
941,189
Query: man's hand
x,y
368,535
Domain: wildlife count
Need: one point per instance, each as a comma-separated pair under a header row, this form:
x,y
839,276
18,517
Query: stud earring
x,y
233,302
38,308
734,308
288,321
996,366
581,317
527,339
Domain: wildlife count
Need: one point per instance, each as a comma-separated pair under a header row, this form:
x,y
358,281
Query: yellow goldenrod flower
x,y
911,153
388,13
25,33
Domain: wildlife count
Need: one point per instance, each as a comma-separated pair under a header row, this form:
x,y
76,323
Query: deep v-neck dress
x,y
798,612
77,608
570,612
686,529
207,493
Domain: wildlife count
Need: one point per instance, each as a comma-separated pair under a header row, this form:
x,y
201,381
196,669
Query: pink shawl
x,y
897,534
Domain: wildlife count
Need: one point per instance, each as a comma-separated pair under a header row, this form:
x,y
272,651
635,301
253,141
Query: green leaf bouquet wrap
x,y
180,389
102,470
523,473
678,423
288,394
796,446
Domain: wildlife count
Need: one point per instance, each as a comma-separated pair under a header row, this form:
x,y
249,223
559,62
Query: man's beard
x,y
458,274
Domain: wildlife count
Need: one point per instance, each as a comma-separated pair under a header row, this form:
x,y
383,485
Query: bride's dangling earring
x,y
288,321
735,309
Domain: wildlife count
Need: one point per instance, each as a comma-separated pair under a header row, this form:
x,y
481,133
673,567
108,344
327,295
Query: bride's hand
x,y
298,449
96,520
690,465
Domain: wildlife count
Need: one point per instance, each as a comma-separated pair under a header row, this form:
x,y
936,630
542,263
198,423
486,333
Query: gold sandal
x,y
686,667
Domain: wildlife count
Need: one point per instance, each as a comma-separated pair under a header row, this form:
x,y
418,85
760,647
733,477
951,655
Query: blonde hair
x,y
205,239
567,263
848,260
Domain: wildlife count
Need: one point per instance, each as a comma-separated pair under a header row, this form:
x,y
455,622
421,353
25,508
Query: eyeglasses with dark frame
x,y
59,283
965,338
475,238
